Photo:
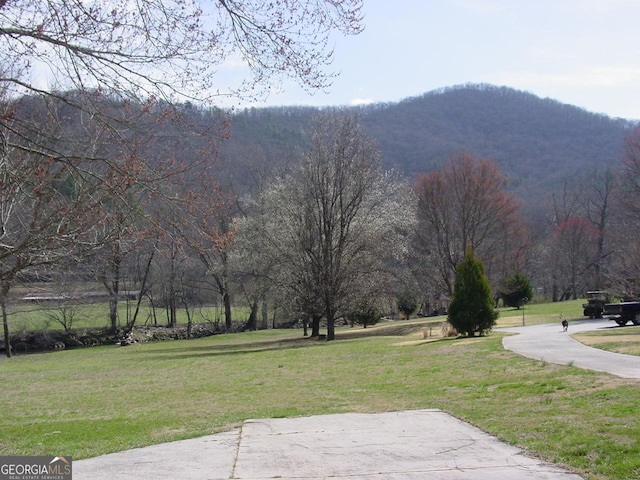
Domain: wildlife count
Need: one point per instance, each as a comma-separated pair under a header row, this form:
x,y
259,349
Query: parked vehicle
x,y
623,312
596,301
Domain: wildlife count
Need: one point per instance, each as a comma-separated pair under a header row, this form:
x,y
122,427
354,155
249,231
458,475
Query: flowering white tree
x,y
335,222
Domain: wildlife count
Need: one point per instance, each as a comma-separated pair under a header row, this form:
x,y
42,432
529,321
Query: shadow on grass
x,y
199,351
394,330
187,350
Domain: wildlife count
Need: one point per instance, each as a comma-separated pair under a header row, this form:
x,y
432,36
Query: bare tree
x,y
48,209
209,232
126,230
624,265
585,198
565,203
107,56
465,206
574,251
598,187
631,175
169,49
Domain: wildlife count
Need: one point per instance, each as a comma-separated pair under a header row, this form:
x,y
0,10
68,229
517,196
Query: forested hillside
x,y
536,142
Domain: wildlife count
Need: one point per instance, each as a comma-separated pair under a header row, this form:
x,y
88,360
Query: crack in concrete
x,y
237,453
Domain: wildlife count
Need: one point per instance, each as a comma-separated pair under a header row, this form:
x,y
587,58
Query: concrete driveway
x,y
549,343
408,445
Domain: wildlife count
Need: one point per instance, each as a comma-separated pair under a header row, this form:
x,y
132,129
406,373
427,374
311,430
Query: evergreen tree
x,y
407,304
514,288
471,309
365,313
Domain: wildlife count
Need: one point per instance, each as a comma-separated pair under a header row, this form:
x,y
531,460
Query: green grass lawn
x,y
88,402
27,317
539,313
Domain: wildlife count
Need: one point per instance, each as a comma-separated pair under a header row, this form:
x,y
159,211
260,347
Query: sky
x,y
580,52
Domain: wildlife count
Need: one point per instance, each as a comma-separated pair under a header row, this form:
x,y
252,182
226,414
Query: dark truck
x,y
623,312
596,301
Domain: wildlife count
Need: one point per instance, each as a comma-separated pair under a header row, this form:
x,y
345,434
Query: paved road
x,y
409,445
550,344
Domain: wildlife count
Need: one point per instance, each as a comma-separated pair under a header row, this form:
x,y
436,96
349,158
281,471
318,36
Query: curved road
x,y
550,344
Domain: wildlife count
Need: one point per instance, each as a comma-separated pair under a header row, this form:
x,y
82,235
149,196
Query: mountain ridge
x,y
537,142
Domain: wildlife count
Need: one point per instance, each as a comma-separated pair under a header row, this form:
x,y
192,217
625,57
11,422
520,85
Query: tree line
x,y
93,132
322,238
119,182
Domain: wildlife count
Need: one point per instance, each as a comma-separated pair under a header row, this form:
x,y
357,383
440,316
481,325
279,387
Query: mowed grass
x,y
88,402
540,313
29,317
619,340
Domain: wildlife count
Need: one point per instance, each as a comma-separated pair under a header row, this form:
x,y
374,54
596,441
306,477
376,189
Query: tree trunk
x,y
315,325
226,298
113,311
173,311
252,323
331,329
154,313
5,320
143,288
111,284
331,324
171,301
189,320
111,281
265,316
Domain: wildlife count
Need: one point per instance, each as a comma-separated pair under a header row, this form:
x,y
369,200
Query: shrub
x,y
407,304
364,314
514,288
471,309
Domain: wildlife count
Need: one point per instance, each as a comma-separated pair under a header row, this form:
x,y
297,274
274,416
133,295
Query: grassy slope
x,y
89,402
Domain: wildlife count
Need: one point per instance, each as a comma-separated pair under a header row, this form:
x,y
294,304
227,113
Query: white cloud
x,y
361,101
